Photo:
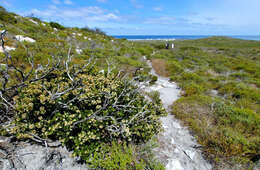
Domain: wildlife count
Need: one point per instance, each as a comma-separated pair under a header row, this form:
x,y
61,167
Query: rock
x,y
35,22
7,48
22,38
34,157
214,92
78,50
55,29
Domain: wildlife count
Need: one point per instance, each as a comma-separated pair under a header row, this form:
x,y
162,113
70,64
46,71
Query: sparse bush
x,y
155,96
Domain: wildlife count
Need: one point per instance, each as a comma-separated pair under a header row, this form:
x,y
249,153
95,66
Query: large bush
x,y
96,109
7,17
56,25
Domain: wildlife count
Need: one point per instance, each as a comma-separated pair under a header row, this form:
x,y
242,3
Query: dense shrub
x,y
56,25
95,30
106,109
192,89
121,156
153,79
7,17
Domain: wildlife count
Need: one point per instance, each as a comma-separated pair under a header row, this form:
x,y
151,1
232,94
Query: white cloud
x,y
102,1
68,2
157,9
56,2
6,3
91,13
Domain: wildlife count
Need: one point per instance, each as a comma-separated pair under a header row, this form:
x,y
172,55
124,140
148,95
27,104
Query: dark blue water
x,y
185,37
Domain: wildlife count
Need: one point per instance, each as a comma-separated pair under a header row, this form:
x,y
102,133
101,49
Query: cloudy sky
x,y
148,17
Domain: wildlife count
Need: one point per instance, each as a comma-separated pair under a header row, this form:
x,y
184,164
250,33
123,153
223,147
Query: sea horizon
x,y
184,37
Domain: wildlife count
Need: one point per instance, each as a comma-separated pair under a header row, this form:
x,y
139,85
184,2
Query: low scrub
x,y
121,156
223,129
102,108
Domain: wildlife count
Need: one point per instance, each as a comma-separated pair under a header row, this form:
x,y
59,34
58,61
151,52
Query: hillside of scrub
x,y
53,39
74,87
220,79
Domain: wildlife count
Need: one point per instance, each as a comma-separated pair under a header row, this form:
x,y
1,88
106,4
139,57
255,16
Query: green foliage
x,y
153,79
192,89
155,96
116,157
99,108
228,131
57,25
223,129
120,156
7,17
95,30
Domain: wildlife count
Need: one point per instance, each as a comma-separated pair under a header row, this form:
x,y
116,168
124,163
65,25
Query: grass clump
x,y
122,156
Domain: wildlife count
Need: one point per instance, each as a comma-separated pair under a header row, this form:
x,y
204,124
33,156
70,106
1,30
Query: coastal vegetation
x,y
220,103
74,86
77,86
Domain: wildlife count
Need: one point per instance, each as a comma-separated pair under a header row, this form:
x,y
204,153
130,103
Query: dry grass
x,y
160,67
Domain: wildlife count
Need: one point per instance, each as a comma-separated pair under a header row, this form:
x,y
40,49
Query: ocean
x,y
184,37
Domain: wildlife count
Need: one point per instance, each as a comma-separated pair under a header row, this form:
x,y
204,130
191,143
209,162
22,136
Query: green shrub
x,y
104,113
120,156
56,25
174,67
7,17
116,157
153,79
155,96
189,76
192,89
223,129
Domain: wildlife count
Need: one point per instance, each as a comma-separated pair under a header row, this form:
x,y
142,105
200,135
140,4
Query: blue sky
x,y
148,17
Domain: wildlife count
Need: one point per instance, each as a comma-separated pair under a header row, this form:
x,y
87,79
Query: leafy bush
x,y
153,79
7,17
56,25
121,157
192,89
95,30
102,109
